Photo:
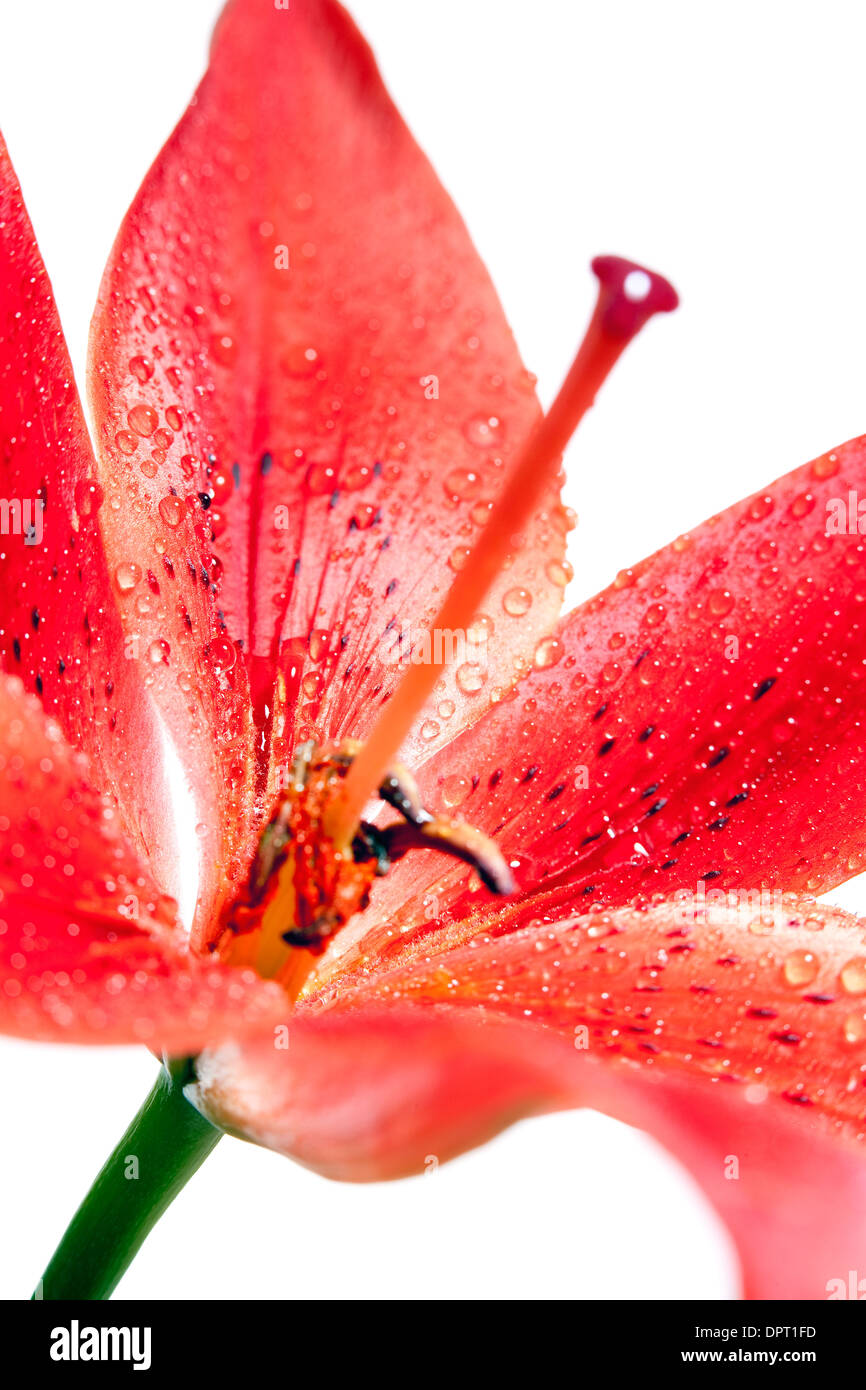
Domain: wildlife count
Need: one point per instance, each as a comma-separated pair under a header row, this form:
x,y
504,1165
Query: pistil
x,y
628,296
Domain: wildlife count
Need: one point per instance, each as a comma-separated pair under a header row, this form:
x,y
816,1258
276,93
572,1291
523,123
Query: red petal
x,y
379,1092
701,722
58,627
89,948
767,992
355,489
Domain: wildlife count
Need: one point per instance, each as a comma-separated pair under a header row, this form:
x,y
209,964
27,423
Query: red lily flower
x,y
307,401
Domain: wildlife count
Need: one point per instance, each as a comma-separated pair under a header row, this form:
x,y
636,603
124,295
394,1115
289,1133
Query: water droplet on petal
x,y
455,791
760,507
470,677
548,652
126,576
517,602
171,510
480,630
800,968
223,653
720,602
300,360
158,652
559,574
484,431
826,467
655,615
126,442
141,368
802,504
143,419
462,484
852,976
223,349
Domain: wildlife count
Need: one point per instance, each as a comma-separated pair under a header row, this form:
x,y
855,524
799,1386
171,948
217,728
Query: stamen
x,y
628,296
301,889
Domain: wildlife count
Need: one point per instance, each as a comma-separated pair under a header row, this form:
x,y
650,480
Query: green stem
x,y
166,1143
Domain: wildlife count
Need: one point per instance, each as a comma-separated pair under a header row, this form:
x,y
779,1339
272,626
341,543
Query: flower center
x,y
317,858
302,887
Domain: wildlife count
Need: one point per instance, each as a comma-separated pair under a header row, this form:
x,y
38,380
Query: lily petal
x,y
698,724
767,993
379,1092
59,631
306,395
90,949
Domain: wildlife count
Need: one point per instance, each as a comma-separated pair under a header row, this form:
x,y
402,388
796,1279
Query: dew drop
x,y
480,630
800,968
141,368
223,653
762,925
364,516
854,1028
88,498
760,507
517,602
548,652
126,442
223,349
321,478
802,504
221,486
470,677
484,431
826,467
300,360
852,976
655,615
171,510
559,574
720,602
158,652
462,484
455,790
143,419
126,576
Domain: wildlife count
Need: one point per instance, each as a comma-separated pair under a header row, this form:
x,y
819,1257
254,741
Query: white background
x,y
723,145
